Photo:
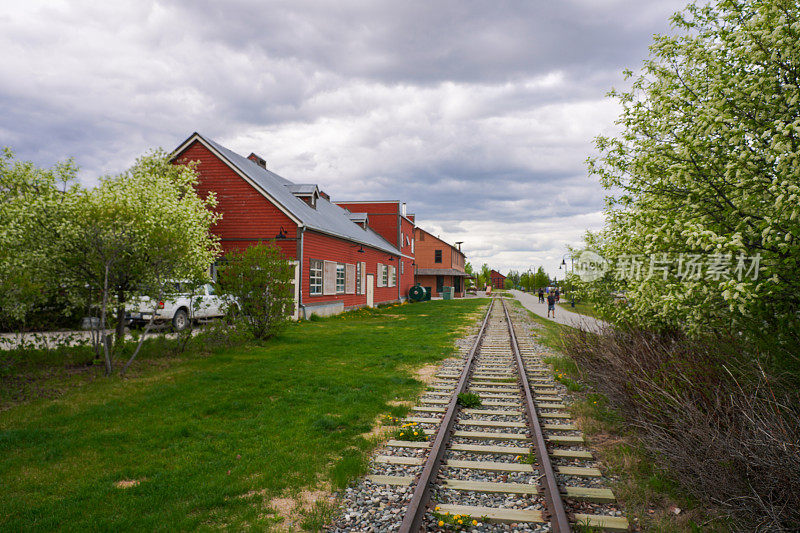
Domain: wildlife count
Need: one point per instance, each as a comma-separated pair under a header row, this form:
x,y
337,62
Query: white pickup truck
x,y
179,307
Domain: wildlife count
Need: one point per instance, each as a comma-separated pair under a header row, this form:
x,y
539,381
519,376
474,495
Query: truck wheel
x,y
180,321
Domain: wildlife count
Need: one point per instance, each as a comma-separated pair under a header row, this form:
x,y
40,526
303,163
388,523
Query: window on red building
x,y
340,278
315,277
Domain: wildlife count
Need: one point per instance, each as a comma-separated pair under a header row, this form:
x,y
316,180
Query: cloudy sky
x,y
479,115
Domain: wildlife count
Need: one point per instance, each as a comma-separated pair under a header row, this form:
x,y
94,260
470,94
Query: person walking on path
x,y
551,304
541,295
558,295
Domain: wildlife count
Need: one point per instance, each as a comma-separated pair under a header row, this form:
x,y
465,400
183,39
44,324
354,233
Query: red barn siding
x,y
327,248
247,216
391,208
383,217
385,226
407,235
498,280
405,280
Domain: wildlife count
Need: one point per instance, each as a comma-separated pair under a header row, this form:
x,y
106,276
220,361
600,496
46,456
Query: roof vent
x,y
258,160
362,219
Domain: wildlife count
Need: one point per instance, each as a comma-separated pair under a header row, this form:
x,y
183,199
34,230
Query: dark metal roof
x,y
441,272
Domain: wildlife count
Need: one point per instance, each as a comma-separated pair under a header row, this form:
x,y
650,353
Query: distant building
x,y
342,261
498,281
438,264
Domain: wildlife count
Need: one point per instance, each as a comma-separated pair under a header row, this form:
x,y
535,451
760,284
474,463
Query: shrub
x,y
469,400
726,429
410,432
260,280
456,522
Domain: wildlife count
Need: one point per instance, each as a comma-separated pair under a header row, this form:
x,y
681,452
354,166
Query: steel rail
x,y
417,507
559,523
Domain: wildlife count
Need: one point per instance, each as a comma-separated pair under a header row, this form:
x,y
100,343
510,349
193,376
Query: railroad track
x,y
517,462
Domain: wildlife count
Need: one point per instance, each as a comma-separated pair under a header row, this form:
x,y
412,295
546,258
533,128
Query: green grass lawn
x,y
582,308
213,437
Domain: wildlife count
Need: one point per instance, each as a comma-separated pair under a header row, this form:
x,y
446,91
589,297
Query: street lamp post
x,y
564,265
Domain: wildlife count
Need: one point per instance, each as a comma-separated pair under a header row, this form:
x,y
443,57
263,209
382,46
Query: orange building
x,y
438,264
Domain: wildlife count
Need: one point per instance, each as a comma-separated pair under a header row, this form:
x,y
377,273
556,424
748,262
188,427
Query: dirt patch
x,y
293,509
404,403
427,373
379,430
284,506
308,498
127,483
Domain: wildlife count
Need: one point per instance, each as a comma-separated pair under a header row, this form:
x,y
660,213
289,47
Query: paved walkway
x,y
531,302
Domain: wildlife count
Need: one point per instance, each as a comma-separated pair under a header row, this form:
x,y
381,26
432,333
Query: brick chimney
x,y
258,160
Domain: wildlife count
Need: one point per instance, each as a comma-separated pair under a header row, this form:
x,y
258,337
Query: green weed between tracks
x,y
469,400
411,432
207,440
456,522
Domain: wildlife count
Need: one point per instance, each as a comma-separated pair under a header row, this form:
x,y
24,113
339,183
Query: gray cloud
x,y
477,114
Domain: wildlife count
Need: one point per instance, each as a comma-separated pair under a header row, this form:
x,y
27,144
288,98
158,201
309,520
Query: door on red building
x,y
370,290
439,284
457,284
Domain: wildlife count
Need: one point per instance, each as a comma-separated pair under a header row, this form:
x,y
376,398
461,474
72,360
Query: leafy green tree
x,y
485,276
526,280
708,164
540,278
31,202
126,237
512,280
259,278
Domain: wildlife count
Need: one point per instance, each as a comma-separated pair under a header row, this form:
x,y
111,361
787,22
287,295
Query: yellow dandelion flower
x,y
441,523
401,434
460,521
415,433
474,522
437,508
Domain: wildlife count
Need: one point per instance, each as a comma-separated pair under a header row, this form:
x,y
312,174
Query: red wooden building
x,y
439,264
342,261
389,219
498,281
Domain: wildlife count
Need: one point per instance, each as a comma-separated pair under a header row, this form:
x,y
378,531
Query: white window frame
x,y
385,276
359,273
315,267
379,277
341,278
392,276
